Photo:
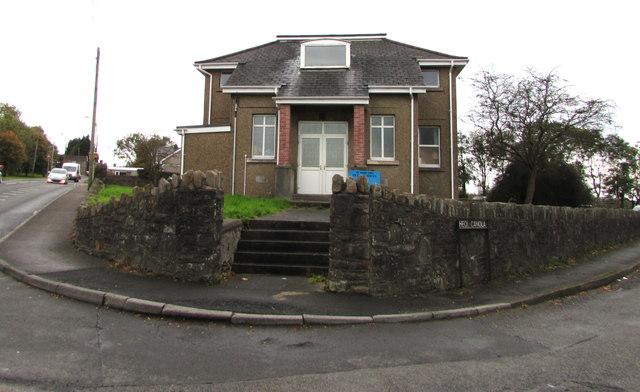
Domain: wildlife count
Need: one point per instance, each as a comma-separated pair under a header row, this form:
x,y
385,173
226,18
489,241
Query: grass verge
x,y
110,191
235,206
30,177
243,207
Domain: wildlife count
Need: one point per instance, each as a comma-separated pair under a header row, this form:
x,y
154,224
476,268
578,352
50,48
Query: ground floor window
x,y
264,137
383,137
429,146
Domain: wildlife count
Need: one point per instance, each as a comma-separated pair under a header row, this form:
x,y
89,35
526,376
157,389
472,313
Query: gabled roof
x,y
375,61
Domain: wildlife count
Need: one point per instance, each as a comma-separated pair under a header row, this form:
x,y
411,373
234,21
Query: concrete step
x,y
283,247
283,258
285,235
311,200
265,224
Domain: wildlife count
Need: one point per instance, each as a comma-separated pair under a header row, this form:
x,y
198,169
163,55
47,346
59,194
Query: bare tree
x,y
525,120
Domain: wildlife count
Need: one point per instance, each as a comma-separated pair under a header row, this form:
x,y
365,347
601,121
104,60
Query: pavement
x,y
40,253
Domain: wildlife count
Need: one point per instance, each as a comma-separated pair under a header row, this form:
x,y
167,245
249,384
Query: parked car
x,y
58,176
637,208
73,169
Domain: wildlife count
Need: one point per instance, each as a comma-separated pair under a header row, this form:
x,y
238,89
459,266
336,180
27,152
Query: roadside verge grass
x,y
235,206
110,191
30,177
243,207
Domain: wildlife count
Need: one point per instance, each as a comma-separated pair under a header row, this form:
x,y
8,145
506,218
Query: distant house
x,y
123,171
172,162
282,118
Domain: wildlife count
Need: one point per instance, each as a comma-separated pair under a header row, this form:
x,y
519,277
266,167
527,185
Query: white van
x,y
74,171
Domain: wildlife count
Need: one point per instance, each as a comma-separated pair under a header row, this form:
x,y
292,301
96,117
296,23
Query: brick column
x,y
284,151
359,158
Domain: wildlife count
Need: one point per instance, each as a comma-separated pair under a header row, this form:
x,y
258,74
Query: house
x,y
123,171
171,163
281,119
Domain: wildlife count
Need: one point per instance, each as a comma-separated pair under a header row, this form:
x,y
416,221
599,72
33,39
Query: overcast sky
x,y
148,83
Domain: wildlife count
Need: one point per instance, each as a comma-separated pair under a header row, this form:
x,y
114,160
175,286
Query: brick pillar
x,y
284,152
358,136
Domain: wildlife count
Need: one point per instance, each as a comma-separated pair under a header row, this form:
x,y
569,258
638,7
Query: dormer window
x,y
325,54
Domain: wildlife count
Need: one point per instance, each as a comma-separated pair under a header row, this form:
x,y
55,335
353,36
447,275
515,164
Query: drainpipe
x,y
451,157
233,162
278,136
244,186
413,131
182,154
205,73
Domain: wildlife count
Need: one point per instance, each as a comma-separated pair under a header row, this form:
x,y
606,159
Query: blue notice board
x,y
373,176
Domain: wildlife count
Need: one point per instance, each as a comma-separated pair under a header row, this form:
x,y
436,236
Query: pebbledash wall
x,y
175,229
388,243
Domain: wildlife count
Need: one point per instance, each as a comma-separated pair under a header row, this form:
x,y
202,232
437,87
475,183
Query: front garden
x,y
235,206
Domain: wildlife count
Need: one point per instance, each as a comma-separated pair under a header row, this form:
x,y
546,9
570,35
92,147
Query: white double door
x,y
322,153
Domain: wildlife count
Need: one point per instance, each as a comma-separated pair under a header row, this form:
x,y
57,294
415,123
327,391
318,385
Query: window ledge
x,y
382,163
261,160
431,169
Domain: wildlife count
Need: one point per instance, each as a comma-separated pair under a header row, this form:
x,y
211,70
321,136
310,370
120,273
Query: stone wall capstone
x,y
174,229
384,242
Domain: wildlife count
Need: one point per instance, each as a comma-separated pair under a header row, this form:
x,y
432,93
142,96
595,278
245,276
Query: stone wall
x,y
175,229
388,243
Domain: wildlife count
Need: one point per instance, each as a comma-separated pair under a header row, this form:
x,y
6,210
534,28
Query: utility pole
x,y
92,148
35,155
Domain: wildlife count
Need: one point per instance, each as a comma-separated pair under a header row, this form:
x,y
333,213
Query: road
x,y
583,343
20,199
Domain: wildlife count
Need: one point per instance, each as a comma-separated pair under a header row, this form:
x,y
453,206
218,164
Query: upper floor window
x,y
224,77
325,54
431,77
383,138
429,146
264,137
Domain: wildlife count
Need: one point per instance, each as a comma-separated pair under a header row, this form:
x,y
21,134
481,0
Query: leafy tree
x,y
558,184
38,150
100,171
625,170
35,150
635,188
10,119
465,174
525,120
145,151
483,159
12,152
79,146
587,150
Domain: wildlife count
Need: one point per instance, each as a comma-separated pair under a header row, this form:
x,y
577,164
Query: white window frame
x,y
263,126
437,85
420,146
382,129
325,42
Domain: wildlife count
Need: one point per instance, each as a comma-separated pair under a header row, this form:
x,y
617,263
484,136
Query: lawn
x,y
243,207
30,177
235,206
111,191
